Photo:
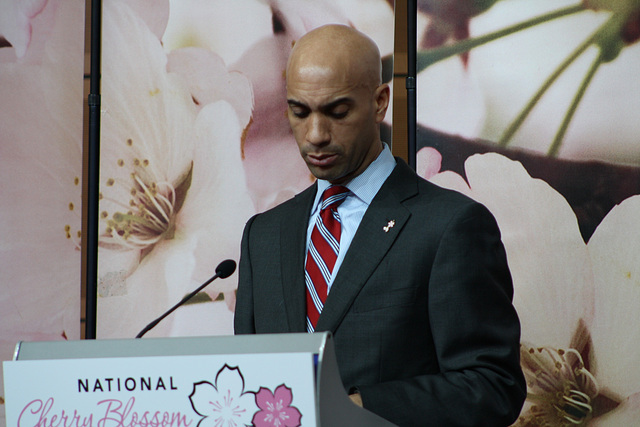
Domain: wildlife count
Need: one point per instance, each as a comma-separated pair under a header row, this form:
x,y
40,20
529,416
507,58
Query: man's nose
x,y
318,130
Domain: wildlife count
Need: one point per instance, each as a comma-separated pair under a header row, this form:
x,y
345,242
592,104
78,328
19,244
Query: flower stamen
x,y
561,387
151,216
75,238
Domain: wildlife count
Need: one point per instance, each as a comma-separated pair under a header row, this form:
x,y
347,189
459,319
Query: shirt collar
x,y
366,185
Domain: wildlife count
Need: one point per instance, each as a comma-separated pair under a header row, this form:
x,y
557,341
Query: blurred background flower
x,y
173,197
40,173
18,21
575,300
273,167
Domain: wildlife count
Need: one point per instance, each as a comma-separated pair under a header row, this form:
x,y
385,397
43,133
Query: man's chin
x,y
326,174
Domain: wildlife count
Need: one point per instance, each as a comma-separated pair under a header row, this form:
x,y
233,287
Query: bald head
x,y
336,101
337,50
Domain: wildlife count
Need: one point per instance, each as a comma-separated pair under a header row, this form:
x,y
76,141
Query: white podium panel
x,y
262,380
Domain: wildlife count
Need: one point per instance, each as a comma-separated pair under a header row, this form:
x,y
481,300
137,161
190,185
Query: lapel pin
x,y
389,225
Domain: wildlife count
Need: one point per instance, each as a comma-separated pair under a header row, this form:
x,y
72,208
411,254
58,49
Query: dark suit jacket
x,y
422,317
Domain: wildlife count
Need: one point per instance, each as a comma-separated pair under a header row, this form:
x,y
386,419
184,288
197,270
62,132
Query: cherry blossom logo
x,y
275,408
227,404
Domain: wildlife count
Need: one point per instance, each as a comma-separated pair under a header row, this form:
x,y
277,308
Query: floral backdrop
x,y
531,107
41,78
194,141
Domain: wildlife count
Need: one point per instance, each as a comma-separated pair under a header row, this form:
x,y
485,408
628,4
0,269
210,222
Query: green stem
x,y
431,56
520,118
557,141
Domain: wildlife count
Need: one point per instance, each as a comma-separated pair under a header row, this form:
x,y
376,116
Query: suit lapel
x,y
379,228
293,239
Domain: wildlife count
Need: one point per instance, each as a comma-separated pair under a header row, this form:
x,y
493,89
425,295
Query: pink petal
x,y
155,14
15,24
294,416
429,161
259,419
263,397
284,394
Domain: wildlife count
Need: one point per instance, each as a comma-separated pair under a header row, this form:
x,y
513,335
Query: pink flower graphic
x,y
275,409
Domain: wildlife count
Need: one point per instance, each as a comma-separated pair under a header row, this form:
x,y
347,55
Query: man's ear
x,y
382,96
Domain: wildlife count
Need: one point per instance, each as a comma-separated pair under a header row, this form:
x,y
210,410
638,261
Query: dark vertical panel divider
x,y
412,13
91,233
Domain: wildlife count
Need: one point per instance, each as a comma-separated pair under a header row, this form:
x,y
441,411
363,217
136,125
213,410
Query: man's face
x,y
335,122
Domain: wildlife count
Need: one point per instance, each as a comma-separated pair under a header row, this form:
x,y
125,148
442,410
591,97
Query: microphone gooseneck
x,y
223,270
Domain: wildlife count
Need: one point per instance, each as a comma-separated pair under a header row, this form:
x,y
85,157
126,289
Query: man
x,y
416,292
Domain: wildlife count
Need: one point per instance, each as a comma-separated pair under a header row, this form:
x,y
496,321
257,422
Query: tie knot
x,y
333,196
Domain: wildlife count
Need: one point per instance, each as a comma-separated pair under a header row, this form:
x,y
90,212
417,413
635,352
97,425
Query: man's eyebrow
x,y
325,107
335,103
294,103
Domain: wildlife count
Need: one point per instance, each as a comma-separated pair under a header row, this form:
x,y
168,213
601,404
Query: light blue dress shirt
x,y
363,188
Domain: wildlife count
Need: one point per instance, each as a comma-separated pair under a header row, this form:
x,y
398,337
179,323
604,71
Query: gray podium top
x,y
179,346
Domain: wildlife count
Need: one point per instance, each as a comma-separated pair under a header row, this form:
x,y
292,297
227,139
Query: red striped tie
x,y
323,252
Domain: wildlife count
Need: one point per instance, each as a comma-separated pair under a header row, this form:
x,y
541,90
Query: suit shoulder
x,y
291,206
435,192
421,196
444,206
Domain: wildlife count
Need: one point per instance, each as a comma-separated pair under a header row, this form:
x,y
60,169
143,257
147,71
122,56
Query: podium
x,y
263,380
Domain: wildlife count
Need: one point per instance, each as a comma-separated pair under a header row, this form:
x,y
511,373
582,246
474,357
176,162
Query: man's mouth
x,y
321,160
